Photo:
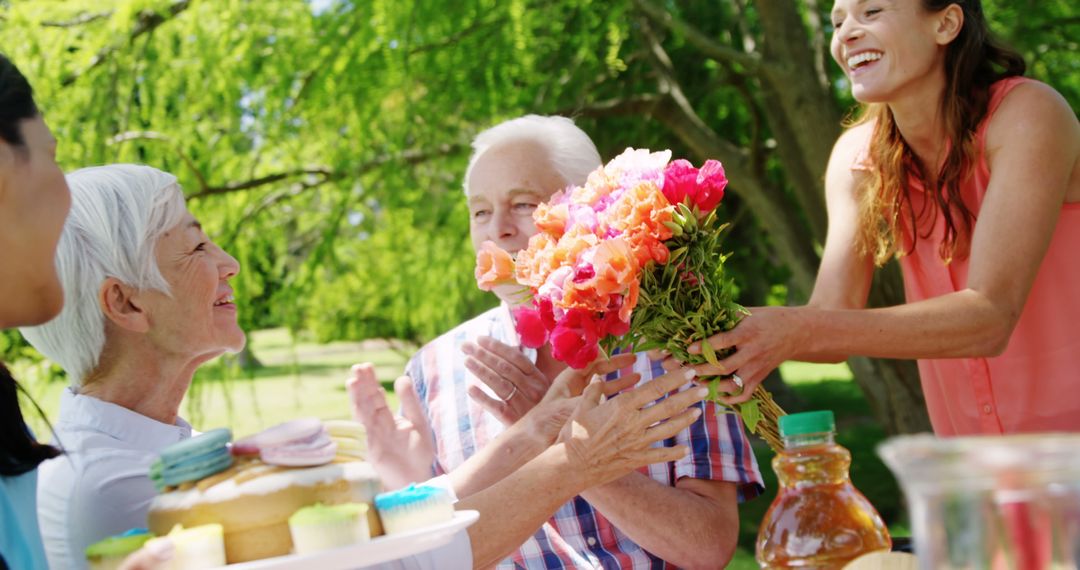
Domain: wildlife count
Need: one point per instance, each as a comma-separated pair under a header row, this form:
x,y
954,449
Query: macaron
x,y
192,459
297,443
350,436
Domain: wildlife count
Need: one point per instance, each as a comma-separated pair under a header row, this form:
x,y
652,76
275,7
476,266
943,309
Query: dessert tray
x,y
377,550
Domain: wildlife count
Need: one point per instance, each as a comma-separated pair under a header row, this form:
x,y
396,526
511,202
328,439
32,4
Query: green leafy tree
x,y
323,142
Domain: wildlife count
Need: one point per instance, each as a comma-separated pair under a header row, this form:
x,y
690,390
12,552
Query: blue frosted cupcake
x,y
413,507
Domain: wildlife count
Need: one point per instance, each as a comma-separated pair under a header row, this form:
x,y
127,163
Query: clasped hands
x,y
605,437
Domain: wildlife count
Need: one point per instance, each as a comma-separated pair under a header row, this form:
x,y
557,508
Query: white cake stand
x,y
379,549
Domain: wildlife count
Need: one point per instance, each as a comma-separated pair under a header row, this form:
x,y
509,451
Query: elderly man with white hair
x,y
147,300
465,388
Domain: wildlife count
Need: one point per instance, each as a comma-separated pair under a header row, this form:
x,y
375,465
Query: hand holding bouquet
x,y
630,260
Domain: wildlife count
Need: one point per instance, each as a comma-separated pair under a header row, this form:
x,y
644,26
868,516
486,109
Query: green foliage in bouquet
x,y
689,299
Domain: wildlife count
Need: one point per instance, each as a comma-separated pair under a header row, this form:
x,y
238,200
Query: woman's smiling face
x,y
198,316
883,46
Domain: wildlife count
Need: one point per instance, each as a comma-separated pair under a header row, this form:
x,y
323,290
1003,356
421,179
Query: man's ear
x,y
949,23
122,305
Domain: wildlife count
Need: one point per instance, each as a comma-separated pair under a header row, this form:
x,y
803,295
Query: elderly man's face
x,y
199,319
504,187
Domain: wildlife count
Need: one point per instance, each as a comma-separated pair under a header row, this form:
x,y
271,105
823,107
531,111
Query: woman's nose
x,y
228,266
848,30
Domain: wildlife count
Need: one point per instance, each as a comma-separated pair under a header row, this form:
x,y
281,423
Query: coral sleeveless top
x,y
1034,386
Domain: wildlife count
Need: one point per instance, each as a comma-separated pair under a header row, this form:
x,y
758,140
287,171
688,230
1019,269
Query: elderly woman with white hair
x,y
147,300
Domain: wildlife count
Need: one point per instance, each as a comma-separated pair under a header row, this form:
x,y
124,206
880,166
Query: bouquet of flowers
x,y
630,260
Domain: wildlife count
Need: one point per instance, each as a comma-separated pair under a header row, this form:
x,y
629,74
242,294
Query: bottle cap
x,y
807,422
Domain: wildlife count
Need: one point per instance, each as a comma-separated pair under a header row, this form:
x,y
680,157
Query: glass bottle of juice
x,y
818,519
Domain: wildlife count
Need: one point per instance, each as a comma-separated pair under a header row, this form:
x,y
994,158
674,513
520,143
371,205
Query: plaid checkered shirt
x,y
577,536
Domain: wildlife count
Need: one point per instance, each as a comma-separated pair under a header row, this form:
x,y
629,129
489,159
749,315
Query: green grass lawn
x,y
302,378
298,379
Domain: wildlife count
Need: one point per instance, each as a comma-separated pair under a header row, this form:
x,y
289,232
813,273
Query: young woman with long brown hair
x,y
968,172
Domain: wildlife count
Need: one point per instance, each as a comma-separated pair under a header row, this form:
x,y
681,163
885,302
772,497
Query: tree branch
x,y
269,201
710,48
678,113
819,42
156,136
325,175
633,105
146,21
84,18
765,198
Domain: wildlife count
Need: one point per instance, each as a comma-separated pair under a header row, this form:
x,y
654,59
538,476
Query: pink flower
x,y
704,187
574,339
680,178
530,326
583,272
612,323
711,183
547,312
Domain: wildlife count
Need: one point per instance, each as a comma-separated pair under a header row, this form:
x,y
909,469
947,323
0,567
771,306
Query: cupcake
x,y
197,547
321,527
110,553
413,507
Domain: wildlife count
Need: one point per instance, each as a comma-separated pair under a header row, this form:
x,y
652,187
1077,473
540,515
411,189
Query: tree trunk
x,y
800,110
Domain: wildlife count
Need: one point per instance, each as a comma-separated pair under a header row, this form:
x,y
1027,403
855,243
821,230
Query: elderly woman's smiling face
x,y
198,317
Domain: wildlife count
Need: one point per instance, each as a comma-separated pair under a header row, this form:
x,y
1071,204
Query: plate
x,y
379,549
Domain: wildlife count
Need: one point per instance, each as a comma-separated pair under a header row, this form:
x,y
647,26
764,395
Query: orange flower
x,y
551,219
581,296
572,244
613,270
615,265
535,262
630,302
493,266
596,188
639,214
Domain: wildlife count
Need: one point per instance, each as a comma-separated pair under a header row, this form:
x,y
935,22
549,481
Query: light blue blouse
x,y
20,541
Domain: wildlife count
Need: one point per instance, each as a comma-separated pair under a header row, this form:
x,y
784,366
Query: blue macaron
x,y
192,459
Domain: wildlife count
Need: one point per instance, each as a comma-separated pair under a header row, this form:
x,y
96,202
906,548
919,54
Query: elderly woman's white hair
x,y
571,152
118,212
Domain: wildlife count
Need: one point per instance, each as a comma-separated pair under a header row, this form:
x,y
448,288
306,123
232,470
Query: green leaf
x,y
675,228
708,352
751,415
